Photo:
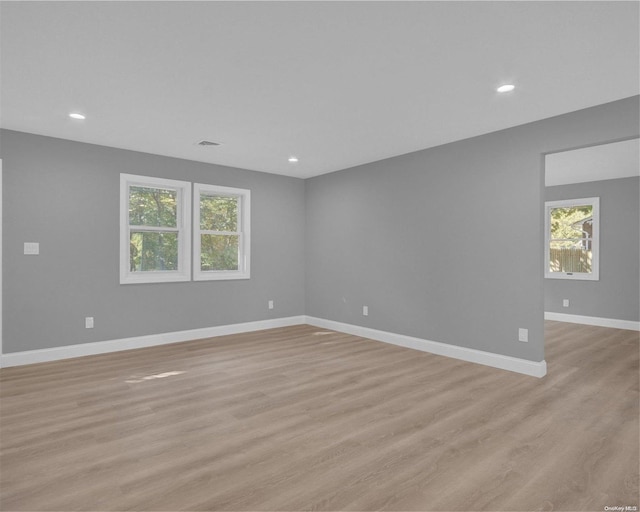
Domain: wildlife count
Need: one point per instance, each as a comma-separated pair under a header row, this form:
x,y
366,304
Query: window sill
x,y
220,276
572,276
154,277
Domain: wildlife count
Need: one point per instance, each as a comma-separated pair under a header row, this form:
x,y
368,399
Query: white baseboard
x,y
514,364
533,368
102,347
593,320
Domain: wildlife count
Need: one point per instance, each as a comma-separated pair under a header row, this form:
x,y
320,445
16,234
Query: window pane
x,y
571,239
570,258
219,252
153,251
574,222
218,213
153,207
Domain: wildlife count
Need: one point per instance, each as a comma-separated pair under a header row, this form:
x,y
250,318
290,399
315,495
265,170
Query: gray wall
x,y
445,244
65,195
442,244
616,294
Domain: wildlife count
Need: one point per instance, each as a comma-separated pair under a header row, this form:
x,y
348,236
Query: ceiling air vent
x,y
207,143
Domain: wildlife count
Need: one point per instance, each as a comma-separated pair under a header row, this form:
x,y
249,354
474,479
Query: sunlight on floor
x,y
152,377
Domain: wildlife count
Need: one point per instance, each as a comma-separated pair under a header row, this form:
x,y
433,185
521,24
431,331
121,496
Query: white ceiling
x,y
595,163
334,83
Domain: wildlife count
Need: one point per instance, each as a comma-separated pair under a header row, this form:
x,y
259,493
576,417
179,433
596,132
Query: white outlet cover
x,y
523,335
365,310
565,303
88,322
32,248
270,304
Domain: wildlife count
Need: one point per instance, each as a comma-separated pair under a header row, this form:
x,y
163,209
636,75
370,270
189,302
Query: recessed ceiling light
x,y
506,88
293,159
76,115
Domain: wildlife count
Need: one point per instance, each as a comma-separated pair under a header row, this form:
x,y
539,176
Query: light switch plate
x,y
32,248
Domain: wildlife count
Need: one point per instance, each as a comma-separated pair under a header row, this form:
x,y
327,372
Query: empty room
x,y
282,256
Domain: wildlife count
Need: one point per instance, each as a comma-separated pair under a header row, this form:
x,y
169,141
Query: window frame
x,y
244,232
594,202
183,228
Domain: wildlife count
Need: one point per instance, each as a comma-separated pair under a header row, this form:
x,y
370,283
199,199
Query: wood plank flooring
x,y
300,418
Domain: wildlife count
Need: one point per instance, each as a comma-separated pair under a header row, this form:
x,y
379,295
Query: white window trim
x,y
595,244
244,221
183,224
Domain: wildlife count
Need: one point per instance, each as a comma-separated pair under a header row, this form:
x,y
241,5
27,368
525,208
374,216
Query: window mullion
x,y
154,229
209,232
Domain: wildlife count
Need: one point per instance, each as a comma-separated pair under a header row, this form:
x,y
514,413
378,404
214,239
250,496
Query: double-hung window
x,y
572,239
221,220
155,230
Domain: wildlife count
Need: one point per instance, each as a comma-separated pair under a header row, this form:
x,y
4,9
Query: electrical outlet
x,y
365,310
88,322
523,335
565,303
270,304
32,248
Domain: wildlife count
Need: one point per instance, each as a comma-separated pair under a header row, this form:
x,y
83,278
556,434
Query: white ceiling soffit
x,y
595,163
335,84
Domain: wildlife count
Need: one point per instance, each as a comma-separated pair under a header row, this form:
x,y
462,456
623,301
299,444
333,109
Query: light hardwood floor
x,y
300,418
